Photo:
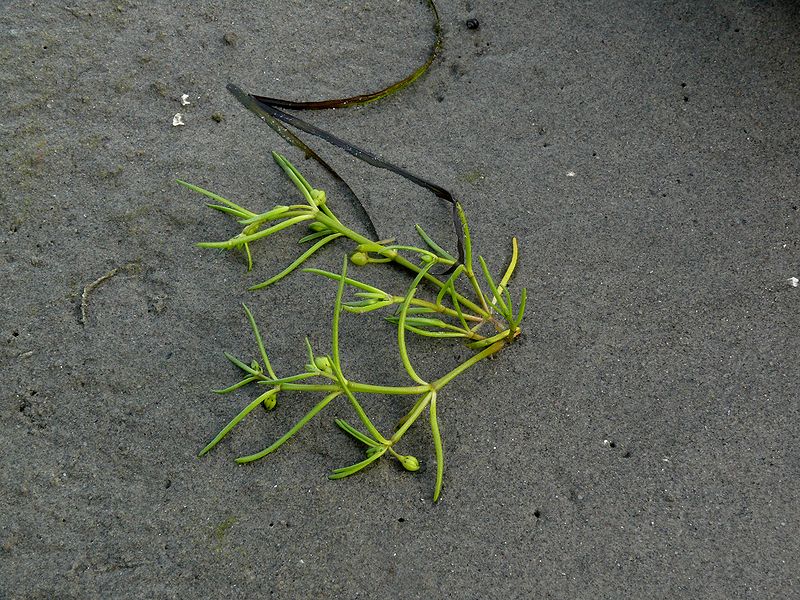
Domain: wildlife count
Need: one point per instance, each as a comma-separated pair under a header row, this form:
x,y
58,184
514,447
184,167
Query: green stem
x,y
420,405
407,390
359,410
401,327
438,308
239,240
493,349
412,416
359,388
360,239
470,271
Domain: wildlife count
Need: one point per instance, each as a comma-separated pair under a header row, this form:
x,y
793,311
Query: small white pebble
x,y
177,120
793,281
185,99
570,173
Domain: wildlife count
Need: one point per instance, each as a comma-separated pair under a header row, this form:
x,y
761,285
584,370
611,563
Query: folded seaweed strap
x,y
362,99
271,114
260,111
269,109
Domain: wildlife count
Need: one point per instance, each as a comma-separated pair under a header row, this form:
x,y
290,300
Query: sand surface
x,y
639,441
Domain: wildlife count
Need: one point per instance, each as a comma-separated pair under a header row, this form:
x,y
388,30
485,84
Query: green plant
x,y
448,314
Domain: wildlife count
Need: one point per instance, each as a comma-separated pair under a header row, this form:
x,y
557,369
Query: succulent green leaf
x,y
259,341
361,437
437,445
228,210
361,309
236,386
433,245
299,261
347,471
315,236
240,364
523,298
285,437
348,281
275,213
216,198
498,297
265,396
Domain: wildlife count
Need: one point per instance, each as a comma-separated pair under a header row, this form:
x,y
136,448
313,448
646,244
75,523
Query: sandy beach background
x,y
640,441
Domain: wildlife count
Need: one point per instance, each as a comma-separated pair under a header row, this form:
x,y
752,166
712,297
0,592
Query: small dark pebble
x,y
473,24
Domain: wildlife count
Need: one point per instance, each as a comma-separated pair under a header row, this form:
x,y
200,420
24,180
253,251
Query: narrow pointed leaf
x,y
240,364
348,281
285,438
437,446
361,437
314,236
227,210
216,197
358,310
435,334
236,386
294,175
249,257
522,301
433,245
271,215
238,418
299,261
310,352
238,240
347,471
498,298
511,265
259,342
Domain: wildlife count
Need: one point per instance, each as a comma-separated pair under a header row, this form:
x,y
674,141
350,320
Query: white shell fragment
x,y
185,99
177,120
793,281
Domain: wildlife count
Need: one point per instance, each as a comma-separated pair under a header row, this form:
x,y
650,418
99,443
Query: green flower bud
x,y
317,226
318,196
322,363
270,401
410,463
359,258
